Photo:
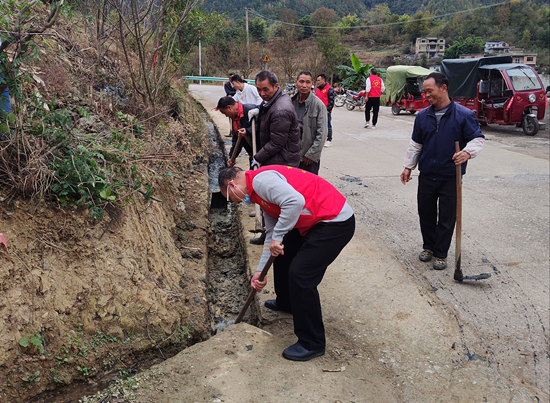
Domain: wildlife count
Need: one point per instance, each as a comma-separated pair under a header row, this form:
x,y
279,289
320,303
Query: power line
x,y
388,24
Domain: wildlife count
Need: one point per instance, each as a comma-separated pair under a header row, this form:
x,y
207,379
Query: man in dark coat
x,y
278,125
228,87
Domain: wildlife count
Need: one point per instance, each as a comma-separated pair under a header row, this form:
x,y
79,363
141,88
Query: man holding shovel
x,y
240,126
308,223
432,147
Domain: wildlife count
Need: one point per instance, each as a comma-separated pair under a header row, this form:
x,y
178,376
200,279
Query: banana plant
x,y
354,77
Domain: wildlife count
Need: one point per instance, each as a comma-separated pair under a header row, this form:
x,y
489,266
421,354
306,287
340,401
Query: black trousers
x,y
300,270
437,212
373,103
313,167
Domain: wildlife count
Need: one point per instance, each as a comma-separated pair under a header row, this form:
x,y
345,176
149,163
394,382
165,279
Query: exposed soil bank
x,y
81,299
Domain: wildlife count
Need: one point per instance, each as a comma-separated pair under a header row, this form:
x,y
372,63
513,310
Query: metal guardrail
x,y
214,79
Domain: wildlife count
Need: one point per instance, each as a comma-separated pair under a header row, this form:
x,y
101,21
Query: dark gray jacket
x,y
279,132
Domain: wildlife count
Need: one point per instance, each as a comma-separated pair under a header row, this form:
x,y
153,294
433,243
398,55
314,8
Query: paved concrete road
x,y
421,336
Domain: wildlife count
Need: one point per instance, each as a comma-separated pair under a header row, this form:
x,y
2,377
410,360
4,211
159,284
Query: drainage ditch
x,y
227,276
227,260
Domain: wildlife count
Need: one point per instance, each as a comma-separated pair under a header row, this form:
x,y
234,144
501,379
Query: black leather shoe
x,y
298,353
258,241
272,304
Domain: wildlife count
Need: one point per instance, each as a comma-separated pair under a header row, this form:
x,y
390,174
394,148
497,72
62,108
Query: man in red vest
x,y
326,94
375,88
308,223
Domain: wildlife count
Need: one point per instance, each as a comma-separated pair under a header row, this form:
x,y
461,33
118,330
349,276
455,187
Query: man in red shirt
x,y
375,88
325,93
308,223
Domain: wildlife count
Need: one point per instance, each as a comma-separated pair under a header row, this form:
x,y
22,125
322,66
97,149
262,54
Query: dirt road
x,y
398,331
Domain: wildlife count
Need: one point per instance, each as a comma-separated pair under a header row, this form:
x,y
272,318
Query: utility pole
x,y
247,41
200,60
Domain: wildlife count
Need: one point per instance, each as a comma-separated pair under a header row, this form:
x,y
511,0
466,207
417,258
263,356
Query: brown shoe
x,y
425,255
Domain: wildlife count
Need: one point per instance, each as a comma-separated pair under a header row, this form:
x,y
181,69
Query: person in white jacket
x,y
246,93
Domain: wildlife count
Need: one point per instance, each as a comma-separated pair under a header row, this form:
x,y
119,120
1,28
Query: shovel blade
x,y
481,276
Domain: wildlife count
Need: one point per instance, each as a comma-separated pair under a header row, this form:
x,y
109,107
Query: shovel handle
x,y
253,291
234,156
458,238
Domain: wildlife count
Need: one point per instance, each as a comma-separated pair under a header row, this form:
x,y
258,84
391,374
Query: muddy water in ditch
x,y
227,259
227,278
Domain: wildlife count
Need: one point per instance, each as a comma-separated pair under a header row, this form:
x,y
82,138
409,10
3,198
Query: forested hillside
x,y
380,34
345,7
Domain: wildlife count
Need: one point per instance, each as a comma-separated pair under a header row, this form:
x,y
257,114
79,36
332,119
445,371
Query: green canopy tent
x,y
396,80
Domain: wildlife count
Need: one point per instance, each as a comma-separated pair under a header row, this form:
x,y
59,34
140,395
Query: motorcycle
x,y
355,99
290,89
339,97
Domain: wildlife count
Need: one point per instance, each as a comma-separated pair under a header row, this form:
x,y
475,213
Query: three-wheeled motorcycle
x,y
498,91
404,86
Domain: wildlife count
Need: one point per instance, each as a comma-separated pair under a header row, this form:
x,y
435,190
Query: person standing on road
x,y
308,224
278,128
278,124
312,118
246,93
432,147
375,88
228,87
240,125
325,93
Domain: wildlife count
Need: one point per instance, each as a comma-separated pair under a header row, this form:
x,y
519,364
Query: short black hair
x,y
231,74
322,76
373,71
266,74
237,78
306,73
224,102
439,78
226,175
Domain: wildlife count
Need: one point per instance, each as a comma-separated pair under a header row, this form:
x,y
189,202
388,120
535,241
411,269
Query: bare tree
x,y
148,30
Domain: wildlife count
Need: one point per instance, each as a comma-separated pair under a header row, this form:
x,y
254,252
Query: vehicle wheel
x,y
530,125
412,112
339,101
350,106
395,109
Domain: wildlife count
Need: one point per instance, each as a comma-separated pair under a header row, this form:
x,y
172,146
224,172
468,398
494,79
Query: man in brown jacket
x,y
278,124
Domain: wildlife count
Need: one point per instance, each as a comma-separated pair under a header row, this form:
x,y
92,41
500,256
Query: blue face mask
x,y
246,197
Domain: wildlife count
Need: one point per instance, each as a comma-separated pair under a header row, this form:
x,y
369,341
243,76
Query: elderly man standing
x,y
246,94
278,124
432,147
279,130
312,118
308,224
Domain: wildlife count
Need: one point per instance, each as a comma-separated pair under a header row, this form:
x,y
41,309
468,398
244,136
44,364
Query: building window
x,y
505,50
423,47
440,47
529,58
423,41
517,60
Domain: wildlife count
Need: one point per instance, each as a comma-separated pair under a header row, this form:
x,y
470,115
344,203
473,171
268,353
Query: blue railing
x,y
213,79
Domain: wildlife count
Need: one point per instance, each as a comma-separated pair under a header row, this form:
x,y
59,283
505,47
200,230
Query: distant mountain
x,y
270,8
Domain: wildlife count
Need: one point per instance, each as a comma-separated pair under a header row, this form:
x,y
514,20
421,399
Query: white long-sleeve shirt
x,y
248,95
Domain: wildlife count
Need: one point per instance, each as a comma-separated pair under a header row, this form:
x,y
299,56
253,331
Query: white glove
x,y
252,113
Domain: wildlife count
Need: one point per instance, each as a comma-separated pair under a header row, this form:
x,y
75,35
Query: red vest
x,y
375,87
322,199
323,94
